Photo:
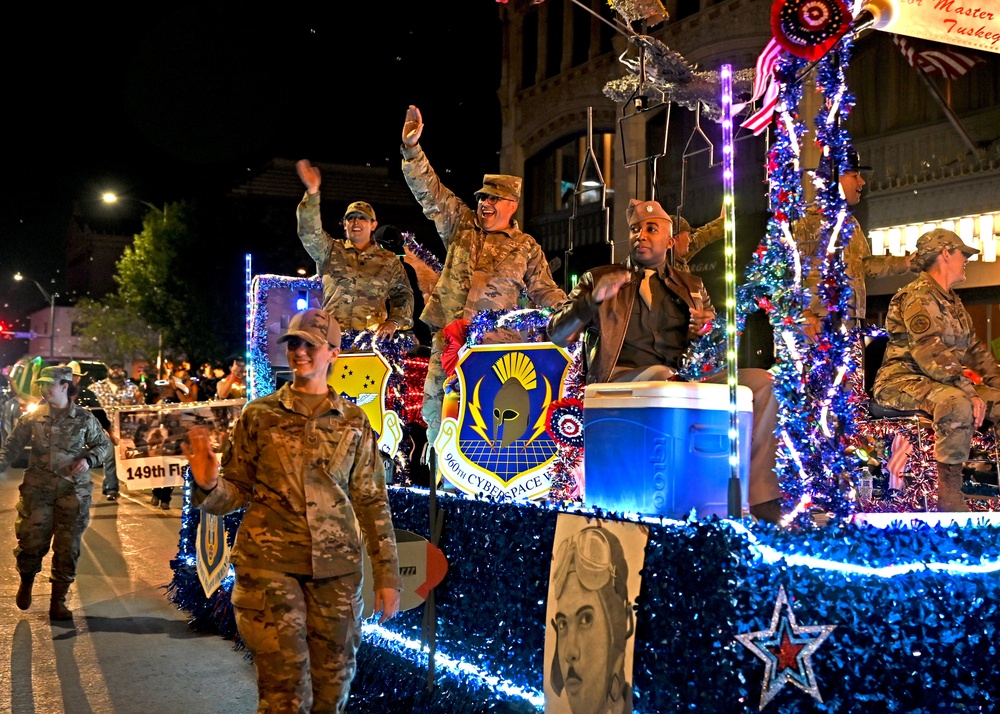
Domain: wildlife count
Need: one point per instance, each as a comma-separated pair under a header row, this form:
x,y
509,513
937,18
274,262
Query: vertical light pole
x,y
51,298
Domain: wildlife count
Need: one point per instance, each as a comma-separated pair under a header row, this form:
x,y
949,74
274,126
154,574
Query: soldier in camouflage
x,y
54,509
688,243
358,276
489,260
859,263
935,364
303,462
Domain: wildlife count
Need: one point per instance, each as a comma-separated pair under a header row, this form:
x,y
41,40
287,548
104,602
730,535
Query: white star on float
x,y
787,650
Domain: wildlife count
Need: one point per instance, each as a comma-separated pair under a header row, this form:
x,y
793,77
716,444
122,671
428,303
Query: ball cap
x,y
75,366
314,326
680,224
639,211
930,245
55,374
365,209
501,185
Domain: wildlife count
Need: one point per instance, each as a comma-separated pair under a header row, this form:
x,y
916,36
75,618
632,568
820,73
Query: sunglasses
x,y
491,200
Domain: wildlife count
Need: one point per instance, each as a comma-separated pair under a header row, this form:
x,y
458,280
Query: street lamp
x,y
111,197
51,297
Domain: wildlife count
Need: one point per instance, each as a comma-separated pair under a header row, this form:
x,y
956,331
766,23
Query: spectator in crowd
x,y
234,384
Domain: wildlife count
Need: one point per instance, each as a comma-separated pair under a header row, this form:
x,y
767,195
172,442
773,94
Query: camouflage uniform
x,y
356,284
858,260
311,486
482,271
931,344
54,509
700,238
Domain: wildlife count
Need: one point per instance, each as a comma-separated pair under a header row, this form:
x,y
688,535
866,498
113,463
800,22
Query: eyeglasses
x,y
491,200
356,217
295,343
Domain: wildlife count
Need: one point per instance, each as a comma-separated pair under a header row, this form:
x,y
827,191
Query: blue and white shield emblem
x,y
498,447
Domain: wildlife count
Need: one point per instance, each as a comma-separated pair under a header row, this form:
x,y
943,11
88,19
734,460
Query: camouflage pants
x,y
434,389
51,512
950,409
303,634
110,484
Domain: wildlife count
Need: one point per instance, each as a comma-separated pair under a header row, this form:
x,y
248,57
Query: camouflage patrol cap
x,y
314,326
639,211
365,209
55,374
502,186
930,245
680,224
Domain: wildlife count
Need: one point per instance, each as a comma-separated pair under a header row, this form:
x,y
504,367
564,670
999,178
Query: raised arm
x,y
439,203
314,239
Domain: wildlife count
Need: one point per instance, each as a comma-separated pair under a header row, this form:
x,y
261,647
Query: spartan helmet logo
x,y
511,405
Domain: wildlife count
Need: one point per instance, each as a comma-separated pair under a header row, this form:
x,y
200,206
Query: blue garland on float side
x,y
919,642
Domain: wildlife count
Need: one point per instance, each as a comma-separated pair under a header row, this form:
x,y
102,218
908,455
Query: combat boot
x,y
950,496
23,599
57,606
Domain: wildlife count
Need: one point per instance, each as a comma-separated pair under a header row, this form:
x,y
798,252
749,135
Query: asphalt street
x,y
128,650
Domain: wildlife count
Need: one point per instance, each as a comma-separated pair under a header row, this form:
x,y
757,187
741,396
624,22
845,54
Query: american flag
x,y
933,58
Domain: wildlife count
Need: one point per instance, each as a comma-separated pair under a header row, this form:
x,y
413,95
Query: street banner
x,y
148,454
498,447
211,552
974,24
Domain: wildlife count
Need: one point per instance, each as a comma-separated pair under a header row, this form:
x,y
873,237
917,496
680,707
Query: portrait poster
x,y
148,454
590,615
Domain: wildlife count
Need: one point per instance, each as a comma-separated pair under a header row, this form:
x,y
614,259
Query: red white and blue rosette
x,y
564,422
809,28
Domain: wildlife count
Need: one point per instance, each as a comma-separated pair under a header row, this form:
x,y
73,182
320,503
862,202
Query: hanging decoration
x,y
809,28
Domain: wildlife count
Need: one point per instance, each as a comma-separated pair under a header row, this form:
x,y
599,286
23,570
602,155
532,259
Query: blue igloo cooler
x,y
662,448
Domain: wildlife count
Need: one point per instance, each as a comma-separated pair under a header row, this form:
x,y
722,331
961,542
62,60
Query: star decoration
x,y
787,650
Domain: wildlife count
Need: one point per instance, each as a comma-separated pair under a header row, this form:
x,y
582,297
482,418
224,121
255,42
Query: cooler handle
x,y
698,431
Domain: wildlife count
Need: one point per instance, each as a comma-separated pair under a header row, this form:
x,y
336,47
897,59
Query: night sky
x,y
164,102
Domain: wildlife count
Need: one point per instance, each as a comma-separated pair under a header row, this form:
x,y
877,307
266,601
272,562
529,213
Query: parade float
x,y
863,600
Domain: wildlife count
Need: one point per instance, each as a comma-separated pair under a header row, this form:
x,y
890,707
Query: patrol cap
x,y
75,366
851,162
55,374
314,326
639,211
680,224
501,185
930,245
365,209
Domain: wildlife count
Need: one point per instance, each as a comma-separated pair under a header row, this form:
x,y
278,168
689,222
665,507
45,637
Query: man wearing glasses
x,y
358,276
489,261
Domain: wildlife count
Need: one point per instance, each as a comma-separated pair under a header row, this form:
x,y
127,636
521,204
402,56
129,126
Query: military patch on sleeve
x,y
920,324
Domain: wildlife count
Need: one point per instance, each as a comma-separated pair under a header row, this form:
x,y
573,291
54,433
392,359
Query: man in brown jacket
x,y
638,320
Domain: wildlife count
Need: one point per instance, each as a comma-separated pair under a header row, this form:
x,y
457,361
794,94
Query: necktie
x,y
644,291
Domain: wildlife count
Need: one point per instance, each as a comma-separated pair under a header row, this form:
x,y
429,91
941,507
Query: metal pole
x,y
52,325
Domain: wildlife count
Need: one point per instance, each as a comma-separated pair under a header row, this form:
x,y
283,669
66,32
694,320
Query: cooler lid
x,y
678,395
